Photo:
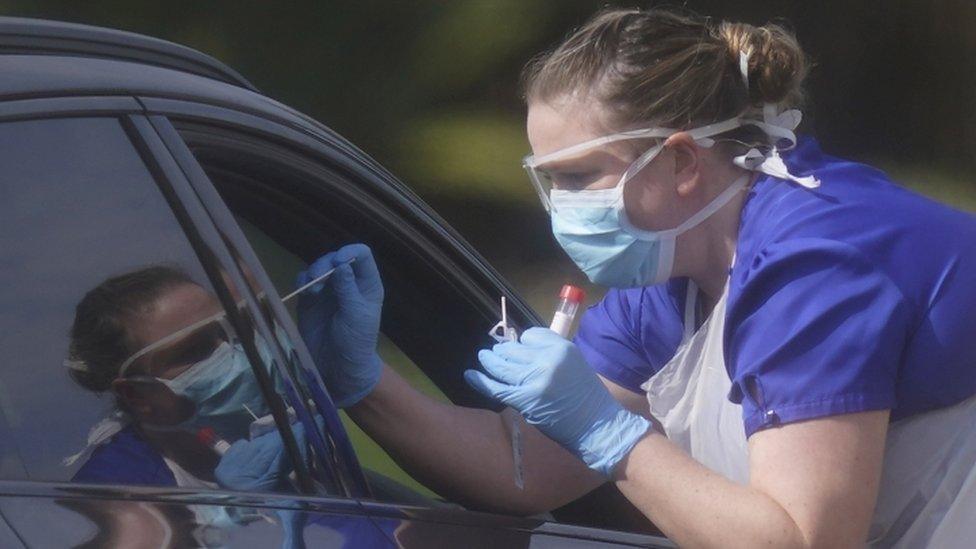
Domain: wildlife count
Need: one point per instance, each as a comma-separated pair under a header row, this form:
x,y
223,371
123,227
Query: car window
x,y
283,267
291,212
123,366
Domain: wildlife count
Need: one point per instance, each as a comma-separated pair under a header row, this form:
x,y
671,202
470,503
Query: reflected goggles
x,y
200,339
185,347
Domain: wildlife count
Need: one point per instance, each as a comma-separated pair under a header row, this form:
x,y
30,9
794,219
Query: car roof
x,y
43,59
34,77
20,36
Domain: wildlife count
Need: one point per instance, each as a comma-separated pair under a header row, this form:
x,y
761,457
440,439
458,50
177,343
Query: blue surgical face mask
x,y
596,234
224,392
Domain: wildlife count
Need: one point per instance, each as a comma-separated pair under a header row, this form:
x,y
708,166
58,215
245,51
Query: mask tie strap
x,y
100,433
772,164
779,126
715,205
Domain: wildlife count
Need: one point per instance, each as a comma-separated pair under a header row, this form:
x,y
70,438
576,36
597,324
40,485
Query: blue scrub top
x,y
126,459
859,295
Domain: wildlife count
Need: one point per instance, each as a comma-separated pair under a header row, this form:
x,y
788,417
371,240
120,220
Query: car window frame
x,y
209,244
187,210
349,475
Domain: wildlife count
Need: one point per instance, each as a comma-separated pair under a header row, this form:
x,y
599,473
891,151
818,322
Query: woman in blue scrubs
x,y
786,357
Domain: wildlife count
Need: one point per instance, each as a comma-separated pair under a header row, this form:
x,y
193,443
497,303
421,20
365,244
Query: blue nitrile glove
x,y
259,465
547,380
340,322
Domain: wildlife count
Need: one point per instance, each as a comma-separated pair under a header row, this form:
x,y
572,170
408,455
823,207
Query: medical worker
x,y
787,355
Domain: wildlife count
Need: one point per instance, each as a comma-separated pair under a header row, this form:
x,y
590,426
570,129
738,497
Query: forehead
x,y
556,124
175,309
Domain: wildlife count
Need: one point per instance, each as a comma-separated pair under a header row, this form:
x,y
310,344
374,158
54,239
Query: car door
x,y
283,197
92,207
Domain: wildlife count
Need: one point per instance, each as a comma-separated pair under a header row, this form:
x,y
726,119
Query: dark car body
x,y
223,163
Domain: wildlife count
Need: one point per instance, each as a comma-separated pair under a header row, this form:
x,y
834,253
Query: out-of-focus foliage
x,y
429,88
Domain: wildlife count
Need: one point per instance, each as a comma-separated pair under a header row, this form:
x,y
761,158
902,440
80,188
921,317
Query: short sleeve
x,y
629,335
813,329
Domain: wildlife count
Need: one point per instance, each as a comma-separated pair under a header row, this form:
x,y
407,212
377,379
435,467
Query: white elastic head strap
x,y
744,66
715,205
780,126
76,365
219,317
699,135
99,433
531,161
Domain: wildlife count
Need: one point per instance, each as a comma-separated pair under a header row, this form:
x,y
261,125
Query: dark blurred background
x,y
429,89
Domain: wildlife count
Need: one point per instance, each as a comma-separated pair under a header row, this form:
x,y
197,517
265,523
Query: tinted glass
x,y
108,320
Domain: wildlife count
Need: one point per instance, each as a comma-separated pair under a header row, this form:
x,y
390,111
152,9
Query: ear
x,y
687,162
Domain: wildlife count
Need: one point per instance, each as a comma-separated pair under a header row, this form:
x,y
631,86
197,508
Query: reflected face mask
x,y
211,371
223,390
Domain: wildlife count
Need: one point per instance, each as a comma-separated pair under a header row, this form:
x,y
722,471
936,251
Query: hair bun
x,y
777,65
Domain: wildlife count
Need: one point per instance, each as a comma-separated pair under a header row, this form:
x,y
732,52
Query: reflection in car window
x,y
279,259
282,267
160,343
112,322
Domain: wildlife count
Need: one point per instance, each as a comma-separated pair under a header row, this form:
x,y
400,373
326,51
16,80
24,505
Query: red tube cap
x,y
207,436
572,293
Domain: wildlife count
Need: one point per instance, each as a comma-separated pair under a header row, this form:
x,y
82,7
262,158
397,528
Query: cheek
x,y
647,201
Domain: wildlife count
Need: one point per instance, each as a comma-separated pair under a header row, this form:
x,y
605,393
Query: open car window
x,y
291,214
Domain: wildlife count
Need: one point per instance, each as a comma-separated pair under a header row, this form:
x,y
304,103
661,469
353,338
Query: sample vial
x,y
207,436
570,299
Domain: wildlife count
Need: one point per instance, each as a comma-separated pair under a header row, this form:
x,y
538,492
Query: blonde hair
x,y
670,69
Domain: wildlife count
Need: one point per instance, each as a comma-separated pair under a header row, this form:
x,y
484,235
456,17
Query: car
x,y
121,152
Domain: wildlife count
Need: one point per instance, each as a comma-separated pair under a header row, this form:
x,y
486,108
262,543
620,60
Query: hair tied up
x,y
670,68
775,64
744,66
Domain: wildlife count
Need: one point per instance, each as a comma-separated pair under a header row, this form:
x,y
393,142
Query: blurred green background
x,y
429,88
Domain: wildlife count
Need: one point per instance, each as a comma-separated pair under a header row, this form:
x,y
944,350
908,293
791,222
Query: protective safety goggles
x,y
543,181
198,341
178,351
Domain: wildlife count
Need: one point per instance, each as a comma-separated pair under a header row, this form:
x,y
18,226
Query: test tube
x,y
207,436
570,299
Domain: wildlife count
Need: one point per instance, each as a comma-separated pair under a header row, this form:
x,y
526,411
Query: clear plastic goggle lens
x,y
542,181
543,184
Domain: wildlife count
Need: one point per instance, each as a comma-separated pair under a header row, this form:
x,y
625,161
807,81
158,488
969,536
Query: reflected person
x,y
157,341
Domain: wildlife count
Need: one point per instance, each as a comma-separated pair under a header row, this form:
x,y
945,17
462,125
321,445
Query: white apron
x,y
927,495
